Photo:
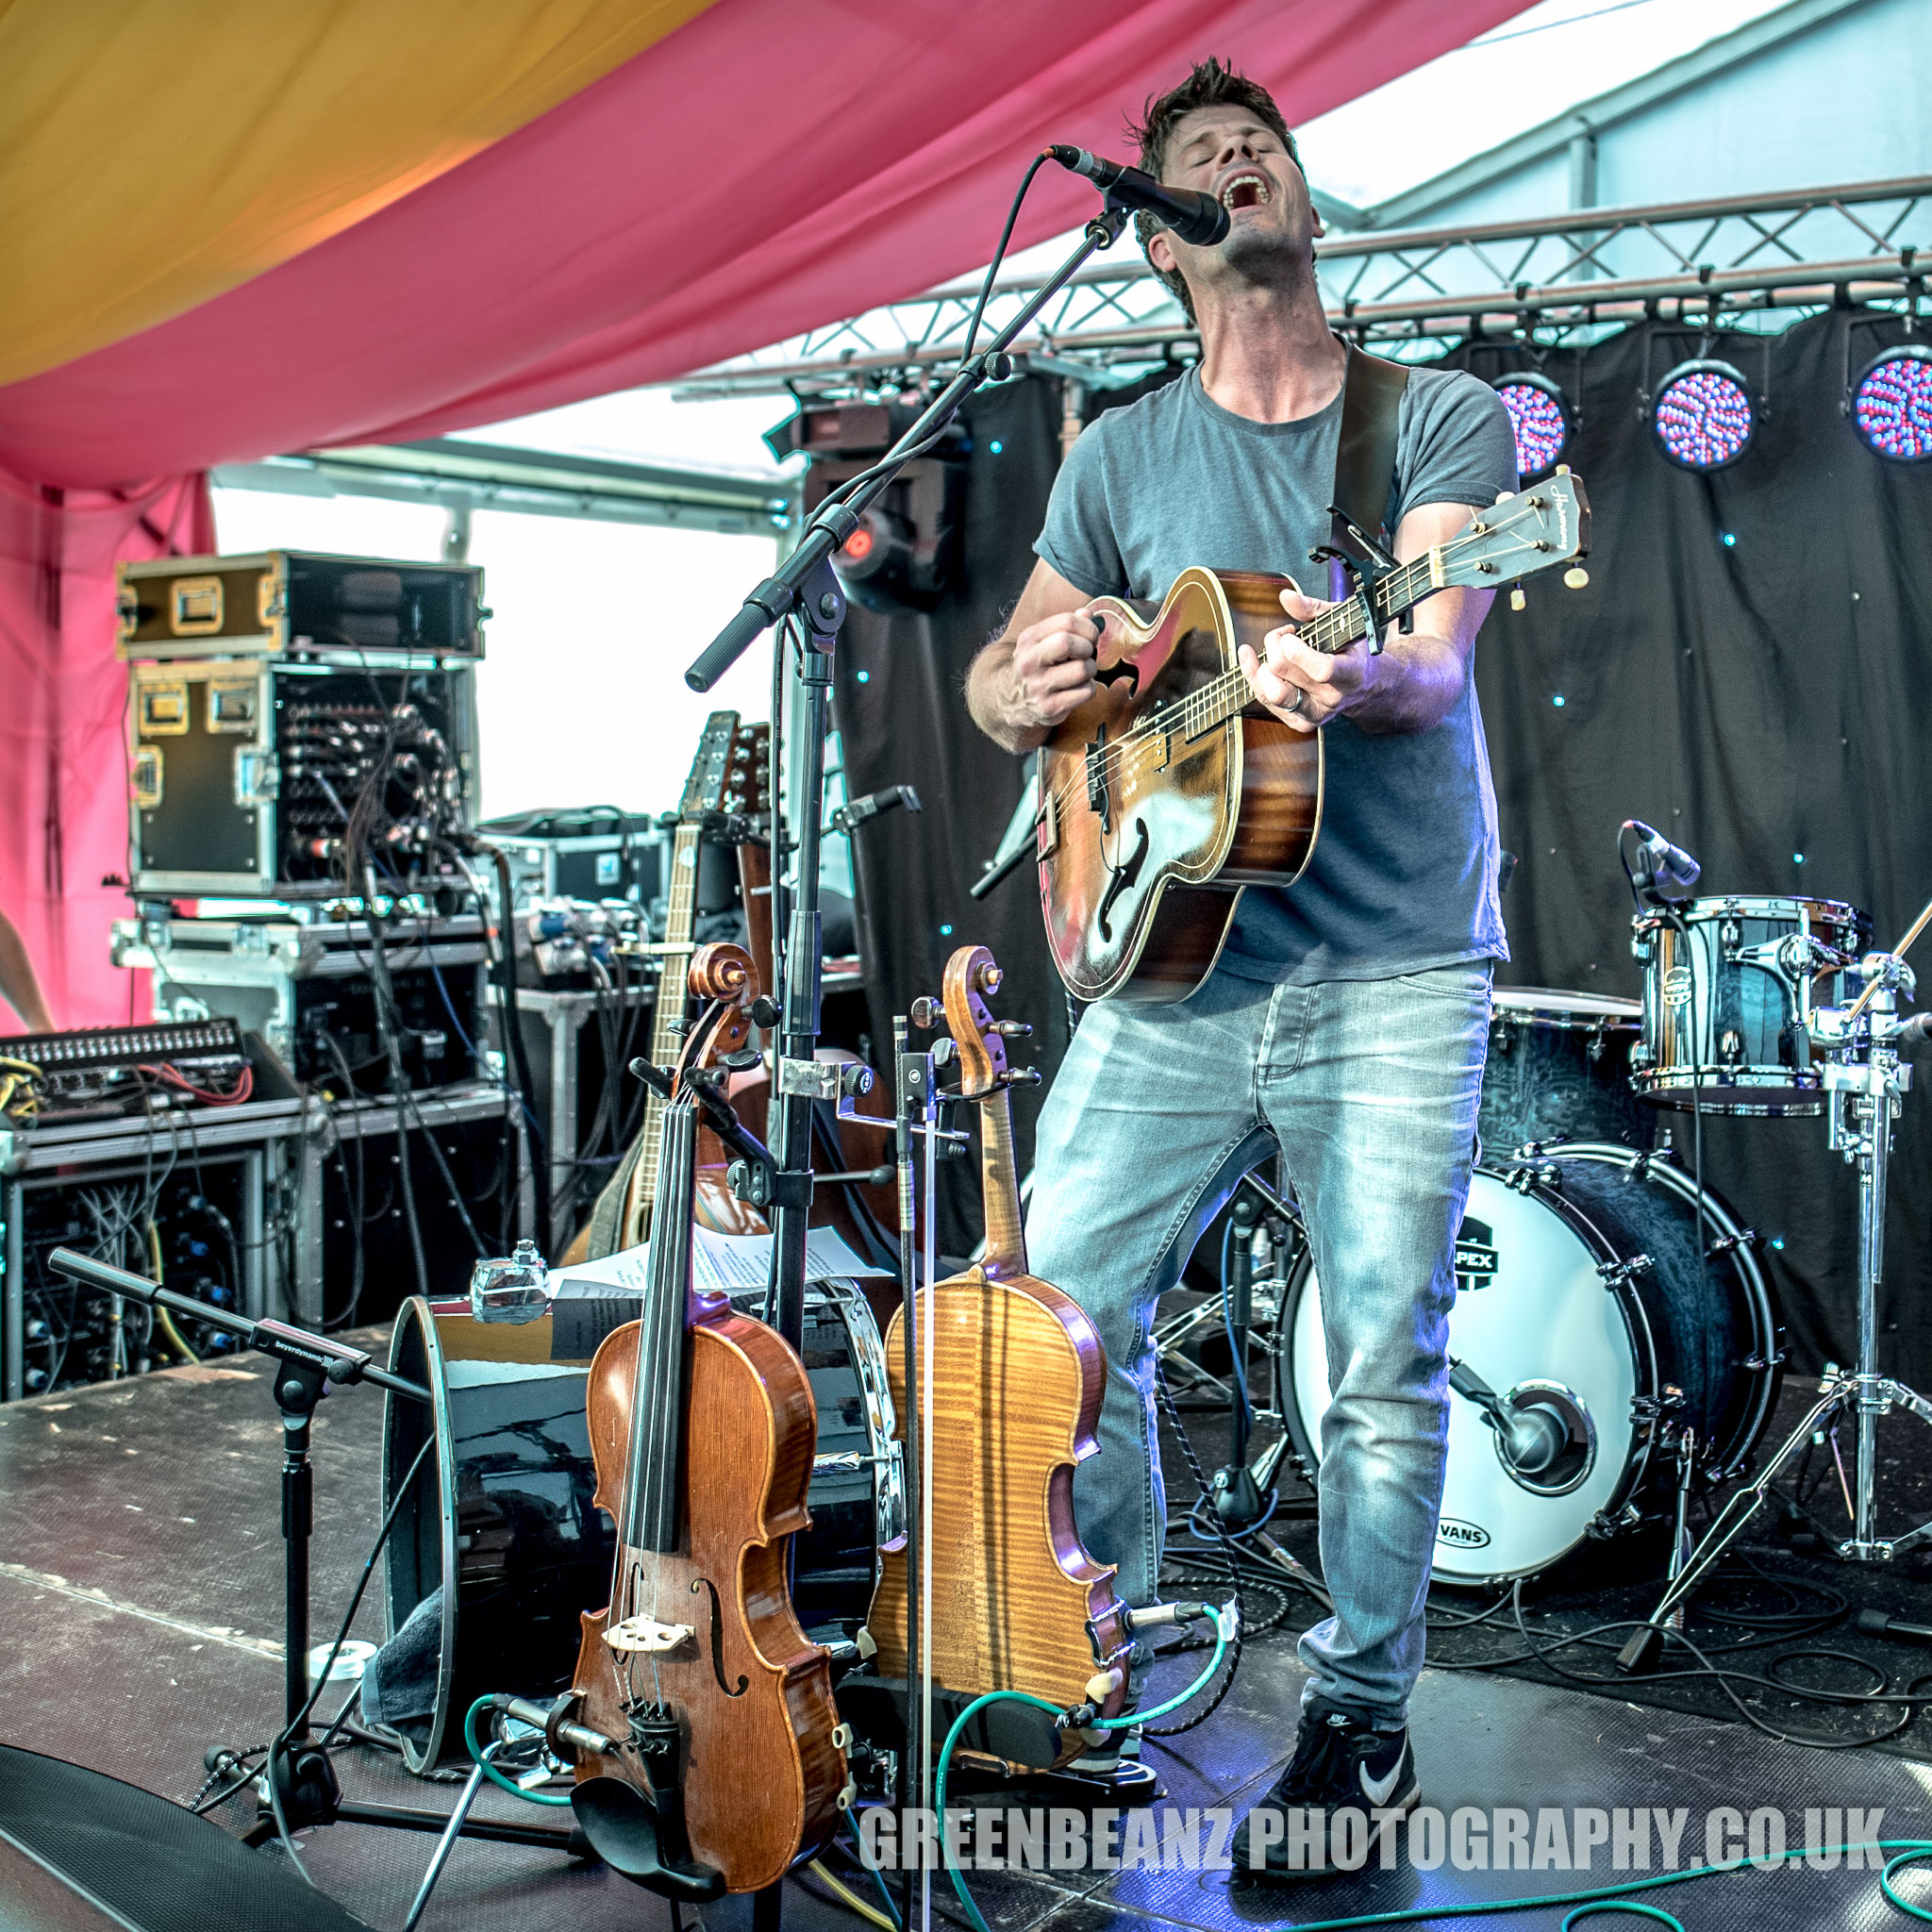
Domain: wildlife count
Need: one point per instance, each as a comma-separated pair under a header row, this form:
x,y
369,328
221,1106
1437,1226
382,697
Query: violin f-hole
x,y
718,1643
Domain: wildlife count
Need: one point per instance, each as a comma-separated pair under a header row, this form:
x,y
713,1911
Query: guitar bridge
x,y
646,1635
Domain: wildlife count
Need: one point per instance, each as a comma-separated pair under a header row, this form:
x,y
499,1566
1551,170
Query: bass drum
x,y
503,1507
499,1527
1579,1295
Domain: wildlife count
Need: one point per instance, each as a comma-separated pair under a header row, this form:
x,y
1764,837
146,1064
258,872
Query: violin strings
x,y
1332,631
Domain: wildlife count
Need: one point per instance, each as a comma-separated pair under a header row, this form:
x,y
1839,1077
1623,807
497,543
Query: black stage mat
x,y
140,1594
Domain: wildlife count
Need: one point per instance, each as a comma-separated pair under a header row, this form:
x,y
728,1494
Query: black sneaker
x,y
1341,1764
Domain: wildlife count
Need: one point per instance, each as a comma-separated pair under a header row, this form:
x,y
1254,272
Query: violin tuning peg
x,y
1010,1029
925,1012
1575,576
943,1052
1517,600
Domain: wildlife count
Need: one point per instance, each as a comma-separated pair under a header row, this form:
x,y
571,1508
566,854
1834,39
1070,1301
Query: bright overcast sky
x,y
1529,70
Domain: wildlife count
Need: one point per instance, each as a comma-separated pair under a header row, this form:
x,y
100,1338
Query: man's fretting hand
x,y
1302,687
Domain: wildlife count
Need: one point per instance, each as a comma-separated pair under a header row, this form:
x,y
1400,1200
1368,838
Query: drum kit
x,y
1613,1329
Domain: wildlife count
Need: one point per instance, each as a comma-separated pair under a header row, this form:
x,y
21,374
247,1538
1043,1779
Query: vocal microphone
x,y
1672,870
1196,218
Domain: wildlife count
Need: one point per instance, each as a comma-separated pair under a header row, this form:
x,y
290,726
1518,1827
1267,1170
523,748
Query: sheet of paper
x,y
722,1263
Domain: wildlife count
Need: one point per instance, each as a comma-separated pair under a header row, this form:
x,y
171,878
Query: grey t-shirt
x,y
1404,875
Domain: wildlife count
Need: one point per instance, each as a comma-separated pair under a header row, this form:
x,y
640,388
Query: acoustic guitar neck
x,y
680,919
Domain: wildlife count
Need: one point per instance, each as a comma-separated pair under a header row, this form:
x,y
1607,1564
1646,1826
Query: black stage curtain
x,y
1754,699
1749,670
898,701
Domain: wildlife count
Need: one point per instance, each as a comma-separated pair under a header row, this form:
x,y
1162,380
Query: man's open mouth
x,y
1247,190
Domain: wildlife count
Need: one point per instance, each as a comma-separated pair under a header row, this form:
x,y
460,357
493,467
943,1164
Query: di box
x,y
246,770
298,603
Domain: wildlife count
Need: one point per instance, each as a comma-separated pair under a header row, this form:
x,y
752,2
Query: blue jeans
x,y
1369,1089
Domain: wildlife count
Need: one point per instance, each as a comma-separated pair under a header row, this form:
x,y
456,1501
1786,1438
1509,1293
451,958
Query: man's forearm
x,y
1421,677
990,700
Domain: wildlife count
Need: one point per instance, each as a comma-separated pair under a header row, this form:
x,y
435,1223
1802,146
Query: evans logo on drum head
x,y
1476,1257
1678,984
1464,1536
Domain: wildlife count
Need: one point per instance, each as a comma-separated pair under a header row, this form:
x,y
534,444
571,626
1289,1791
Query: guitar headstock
x,y
747,793
714,768
1545,524
970,973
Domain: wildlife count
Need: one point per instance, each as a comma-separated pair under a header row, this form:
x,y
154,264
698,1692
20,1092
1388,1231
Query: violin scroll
x,y
970,973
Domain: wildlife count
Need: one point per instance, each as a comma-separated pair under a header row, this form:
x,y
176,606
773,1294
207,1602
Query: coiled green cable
x,y
490,1771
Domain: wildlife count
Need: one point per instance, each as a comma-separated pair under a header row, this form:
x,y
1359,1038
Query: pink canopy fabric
x,y
63,740
769,166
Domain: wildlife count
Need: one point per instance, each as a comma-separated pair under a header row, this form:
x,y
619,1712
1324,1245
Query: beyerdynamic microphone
x,y
1196,218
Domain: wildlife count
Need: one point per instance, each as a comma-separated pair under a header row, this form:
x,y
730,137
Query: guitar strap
x,y
1365,457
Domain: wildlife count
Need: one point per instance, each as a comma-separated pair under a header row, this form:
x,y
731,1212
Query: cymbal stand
x,y
1863,1082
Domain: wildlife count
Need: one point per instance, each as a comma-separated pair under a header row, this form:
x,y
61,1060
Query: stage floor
x,y
140,1594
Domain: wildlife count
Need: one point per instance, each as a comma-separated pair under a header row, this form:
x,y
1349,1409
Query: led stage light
x,y
1542,417
1892,404
1703,415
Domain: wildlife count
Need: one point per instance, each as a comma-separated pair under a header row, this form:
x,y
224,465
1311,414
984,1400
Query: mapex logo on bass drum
x,y
1678,984
1463,1535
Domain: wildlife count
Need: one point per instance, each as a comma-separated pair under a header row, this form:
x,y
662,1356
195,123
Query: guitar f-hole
x,y
1125,877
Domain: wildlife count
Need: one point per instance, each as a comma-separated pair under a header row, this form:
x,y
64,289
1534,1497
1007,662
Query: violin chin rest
x,y
624,1828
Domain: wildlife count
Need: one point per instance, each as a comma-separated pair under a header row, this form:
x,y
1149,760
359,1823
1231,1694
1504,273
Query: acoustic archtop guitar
x,y
1170,790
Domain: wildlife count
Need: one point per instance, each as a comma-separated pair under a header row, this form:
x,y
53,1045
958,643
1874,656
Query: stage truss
x,y
1742,260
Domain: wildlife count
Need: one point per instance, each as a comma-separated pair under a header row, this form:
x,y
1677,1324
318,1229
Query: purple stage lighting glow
x,y
1540,415
1703,415
1892,404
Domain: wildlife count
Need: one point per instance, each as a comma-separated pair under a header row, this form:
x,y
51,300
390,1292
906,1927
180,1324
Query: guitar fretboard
x,y
680,918
1330,633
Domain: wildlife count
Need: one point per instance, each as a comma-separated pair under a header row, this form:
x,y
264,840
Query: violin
x,y
1018,1377
723,1770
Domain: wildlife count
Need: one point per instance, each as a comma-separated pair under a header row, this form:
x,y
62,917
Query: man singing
x,y
1346,1021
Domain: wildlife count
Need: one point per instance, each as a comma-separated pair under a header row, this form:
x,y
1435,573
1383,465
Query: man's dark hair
x,y
1210,85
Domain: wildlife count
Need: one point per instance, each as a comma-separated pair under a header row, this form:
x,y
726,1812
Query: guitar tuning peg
x,y
1563,469
1517,600
1504,495
1575,576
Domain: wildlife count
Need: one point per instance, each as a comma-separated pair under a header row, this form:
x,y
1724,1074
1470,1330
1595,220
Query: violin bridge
x,y
647,1635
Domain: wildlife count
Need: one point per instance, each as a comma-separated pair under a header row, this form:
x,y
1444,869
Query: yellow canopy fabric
x,y
157,152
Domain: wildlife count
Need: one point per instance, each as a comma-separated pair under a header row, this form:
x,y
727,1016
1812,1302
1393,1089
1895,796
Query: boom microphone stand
x,y
1863,1081
305,1365
805,591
